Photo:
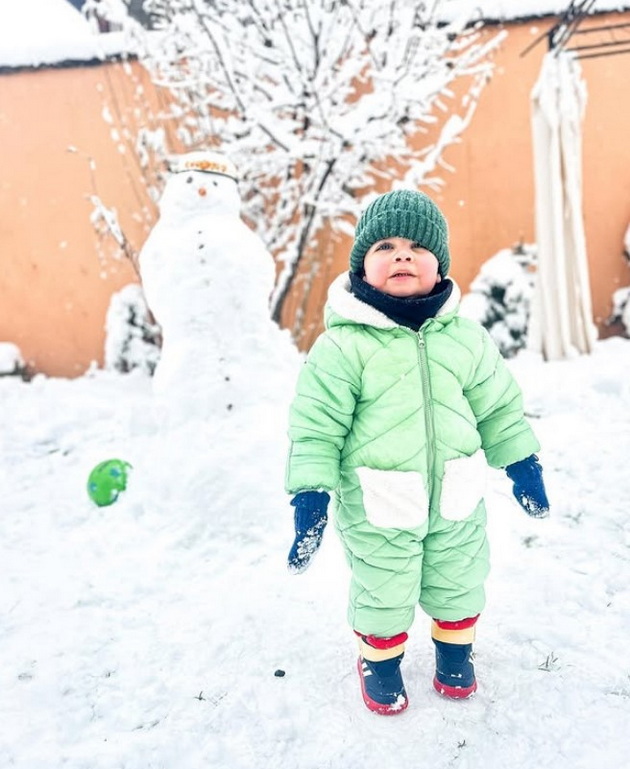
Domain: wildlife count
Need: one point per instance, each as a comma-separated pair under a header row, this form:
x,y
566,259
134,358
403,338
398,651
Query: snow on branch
x,y
105,222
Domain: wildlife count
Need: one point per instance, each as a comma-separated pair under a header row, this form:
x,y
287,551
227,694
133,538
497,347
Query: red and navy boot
x,y
382,685
454,670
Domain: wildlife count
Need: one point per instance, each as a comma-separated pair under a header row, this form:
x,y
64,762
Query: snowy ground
x,y
146,635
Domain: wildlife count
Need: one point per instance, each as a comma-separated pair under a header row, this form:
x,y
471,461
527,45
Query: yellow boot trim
x,y
378,655
464,636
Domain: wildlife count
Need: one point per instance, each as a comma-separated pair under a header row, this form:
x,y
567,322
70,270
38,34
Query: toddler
x,y
399,408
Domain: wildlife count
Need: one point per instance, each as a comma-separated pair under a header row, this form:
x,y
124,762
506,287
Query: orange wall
x,y
57,277
489,200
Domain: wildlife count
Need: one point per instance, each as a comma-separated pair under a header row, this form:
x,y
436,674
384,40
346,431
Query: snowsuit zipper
x,y
428,411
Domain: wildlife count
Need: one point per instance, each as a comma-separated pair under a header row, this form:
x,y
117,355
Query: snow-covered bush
x,y
500,297
621,308
11,361
621,297
133,338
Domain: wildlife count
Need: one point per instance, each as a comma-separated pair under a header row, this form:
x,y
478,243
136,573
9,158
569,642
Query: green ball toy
x,y
107,480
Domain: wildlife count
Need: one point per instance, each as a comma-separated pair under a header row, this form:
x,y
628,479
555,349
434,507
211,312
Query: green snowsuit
x,y
396,424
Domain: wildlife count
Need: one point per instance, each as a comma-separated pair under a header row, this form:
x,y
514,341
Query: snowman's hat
x,y
207,161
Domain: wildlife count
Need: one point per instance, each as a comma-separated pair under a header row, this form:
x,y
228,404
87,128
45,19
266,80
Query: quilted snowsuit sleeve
x,y
321,417
497,403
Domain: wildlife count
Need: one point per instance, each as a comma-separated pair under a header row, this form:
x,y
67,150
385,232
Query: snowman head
x,y
201,182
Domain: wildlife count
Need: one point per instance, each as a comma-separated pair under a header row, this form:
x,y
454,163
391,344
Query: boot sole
x,y
454,692
378,707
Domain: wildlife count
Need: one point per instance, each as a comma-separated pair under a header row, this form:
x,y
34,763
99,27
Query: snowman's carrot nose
x,y
202,191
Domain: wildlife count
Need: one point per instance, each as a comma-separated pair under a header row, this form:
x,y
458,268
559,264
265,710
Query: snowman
x,y
226,372
207,278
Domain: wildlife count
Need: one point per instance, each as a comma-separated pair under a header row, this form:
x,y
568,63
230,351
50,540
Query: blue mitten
x,y
310,521
529,487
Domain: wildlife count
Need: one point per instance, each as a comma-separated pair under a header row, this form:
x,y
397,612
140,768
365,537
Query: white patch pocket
x,y
464,486
394,499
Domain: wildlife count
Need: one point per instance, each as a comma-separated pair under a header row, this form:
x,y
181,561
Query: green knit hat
x,y
402,214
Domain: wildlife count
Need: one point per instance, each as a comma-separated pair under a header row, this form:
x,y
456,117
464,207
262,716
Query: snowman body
x,y
207,279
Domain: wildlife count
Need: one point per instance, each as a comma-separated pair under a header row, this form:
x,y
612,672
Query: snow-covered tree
x,y
315,101
500,297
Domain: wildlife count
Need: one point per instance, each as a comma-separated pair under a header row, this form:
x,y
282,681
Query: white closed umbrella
x,y
561,322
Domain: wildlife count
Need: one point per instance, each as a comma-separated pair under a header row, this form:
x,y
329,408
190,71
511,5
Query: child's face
x,y
401,267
